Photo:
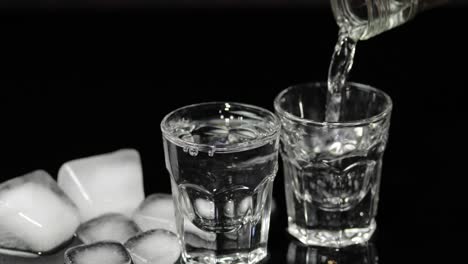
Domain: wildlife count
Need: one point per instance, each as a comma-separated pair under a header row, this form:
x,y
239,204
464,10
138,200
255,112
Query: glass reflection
x,y
299,253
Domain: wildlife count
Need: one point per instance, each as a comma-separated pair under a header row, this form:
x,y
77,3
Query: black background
x,y
79,82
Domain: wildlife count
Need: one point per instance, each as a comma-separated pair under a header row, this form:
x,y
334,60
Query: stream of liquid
x,y
338,72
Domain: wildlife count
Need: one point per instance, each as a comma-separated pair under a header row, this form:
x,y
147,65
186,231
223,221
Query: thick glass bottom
x,y
209,257
327,238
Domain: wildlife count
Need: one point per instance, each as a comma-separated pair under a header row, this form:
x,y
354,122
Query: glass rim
x,y
249,144
375,118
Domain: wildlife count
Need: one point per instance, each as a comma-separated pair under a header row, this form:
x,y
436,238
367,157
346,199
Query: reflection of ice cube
x,y
156,212
329,143
55,258
245,206
205,208
36,216
110,227
104,252
198,237
344,140
229,209
237,135
155,247
108,183
340,148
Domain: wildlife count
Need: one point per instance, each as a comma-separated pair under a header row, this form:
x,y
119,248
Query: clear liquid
x,y
356,24
224,198
332,182
336,199
338,72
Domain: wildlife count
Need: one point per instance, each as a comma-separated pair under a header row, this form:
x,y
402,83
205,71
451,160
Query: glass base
x,y
209,257
326,238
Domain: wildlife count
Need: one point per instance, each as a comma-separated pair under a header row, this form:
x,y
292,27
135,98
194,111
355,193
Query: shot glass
x,y
332,169
222,159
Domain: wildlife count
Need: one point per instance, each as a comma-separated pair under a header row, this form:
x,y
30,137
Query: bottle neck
x,y
363,19
388,14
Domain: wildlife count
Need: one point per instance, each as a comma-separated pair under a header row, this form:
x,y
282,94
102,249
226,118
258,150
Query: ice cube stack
x,y
99,199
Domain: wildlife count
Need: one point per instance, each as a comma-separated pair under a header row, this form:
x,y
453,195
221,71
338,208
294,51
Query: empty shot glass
x,y
222,159
332,169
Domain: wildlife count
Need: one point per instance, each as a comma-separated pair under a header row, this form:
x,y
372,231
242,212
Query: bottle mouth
x,y
352,18
363,19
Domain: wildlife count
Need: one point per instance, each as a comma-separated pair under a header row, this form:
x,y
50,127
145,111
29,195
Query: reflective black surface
x,y
78,82
300,254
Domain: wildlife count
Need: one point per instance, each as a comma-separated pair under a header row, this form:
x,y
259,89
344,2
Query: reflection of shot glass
x,y
222,158
365,253
332,170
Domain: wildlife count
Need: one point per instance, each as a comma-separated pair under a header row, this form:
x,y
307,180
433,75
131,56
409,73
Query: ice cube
x,y
107,183
156,212
104,252
110,227
36,215
154,247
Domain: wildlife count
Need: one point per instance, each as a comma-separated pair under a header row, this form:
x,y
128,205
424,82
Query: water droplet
x,y
193,151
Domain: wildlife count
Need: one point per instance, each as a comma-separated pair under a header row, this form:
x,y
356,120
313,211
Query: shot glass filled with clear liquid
x,y
222,159
332,169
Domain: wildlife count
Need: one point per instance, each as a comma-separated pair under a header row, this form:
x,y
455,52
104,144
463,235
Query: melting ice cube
x,y
108,183
110,227
104,252
36,215
155,247
49,259
156,212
